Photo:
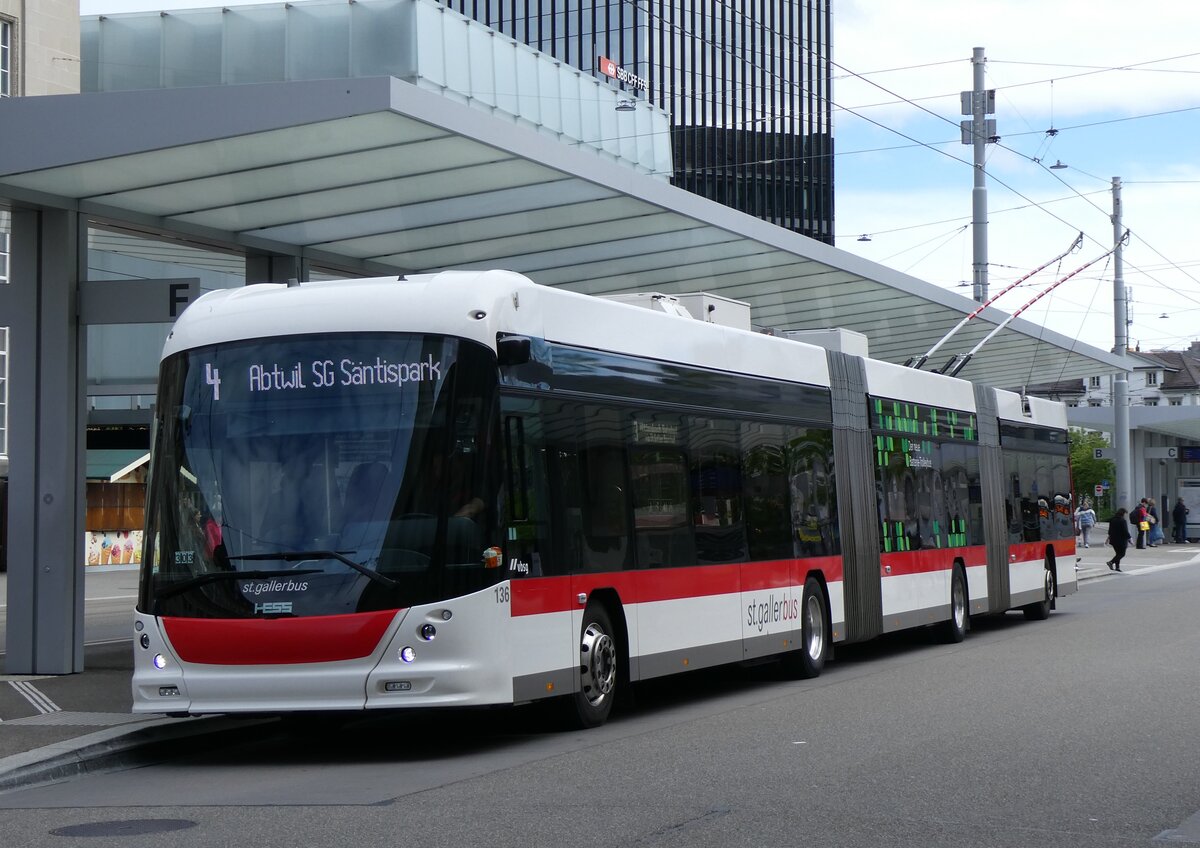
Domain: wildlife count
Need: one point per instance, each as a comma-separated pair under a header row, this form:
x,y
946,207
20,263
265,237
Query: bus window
x,y
590,489
811,484
527,506
658,473
716,489
764,467
960,481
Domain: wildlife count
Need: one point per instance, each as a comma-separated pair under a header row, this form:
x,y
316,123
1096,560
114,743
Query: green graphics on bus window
x,y
924,469
919,419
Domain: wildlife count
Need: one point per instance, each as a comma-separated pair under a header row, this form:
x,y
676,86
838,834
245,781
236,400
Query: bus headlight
x,y
428,631
160,661
407,654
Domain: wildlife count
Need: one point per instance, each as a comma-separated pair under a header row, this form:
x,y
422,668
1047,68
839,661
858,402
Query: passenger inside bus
x,y
296,512
362,506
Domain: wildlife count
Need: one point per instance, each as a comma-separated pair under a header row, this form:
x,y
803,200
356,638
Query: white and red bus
x,y
467,489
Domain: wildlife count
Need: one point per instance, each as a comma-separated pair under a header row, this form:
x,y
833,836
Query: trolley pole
x,y
1120,399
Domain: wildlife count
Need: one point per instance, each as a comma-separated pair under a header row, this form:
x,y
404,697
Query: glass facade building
x,y
746,84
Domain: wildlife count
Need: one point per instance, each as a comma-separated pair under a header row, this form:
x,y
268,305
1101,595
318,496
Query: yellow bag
x,y
1145,525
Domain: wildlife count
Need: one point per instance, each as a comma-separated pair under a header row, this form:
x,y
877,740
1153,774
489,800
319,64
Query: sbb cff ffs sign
x,y
611,69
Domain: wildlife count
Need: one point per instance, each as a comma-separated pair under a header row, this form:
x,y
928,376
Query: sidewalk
x,y
58,726
54,726
1092,560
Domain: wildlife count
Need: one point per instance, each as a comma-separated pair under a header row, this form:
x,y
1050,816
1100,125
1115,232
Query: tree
x,y
1087,472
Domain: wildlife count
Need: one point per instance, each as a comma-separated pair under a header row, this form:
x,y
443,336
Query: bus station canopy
x,y
378,176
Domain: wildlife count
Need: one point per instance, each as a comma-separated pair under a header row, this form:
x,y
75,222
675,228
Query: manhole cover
x,y
127,827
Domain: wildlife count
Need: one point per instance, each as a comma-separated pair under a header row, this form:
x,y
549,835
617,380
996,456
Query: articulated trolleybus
x,y
465,489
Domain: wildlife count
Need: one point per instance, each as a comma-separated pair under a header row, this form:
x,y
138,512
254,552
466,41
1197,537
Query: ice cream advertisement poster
x,y
113,547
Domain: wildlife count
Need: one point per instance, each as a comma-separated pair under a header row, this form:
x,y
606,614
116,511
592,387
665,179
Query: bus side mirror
x,y
512,350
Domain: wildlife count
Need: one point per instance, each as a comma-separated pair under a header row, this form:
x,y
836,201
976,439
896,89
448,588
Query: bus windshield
x,y
321,475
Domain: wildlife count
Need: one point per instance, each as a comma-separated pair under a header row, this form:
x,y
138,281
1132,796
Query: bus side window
x,y
591,490
658,474
764,464
716,488
809,455
526,505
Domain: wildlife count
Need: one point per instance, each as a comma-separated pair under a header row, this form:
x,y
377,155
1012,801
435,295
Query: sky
x,y
1119,86
1105,87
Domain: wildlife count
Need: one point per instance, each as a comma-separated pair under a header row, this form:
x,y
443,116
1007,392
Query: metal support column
x,y
980,135
46,445
1120,399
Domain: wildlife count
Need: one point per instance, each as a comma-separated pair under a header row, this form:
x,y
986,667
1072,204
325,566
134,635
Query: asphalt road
x,y
1079,731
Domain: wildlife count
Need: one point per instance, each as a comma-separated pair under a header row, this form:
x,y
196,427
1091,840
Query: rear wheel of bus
x,y
1040,610
809,660
955,629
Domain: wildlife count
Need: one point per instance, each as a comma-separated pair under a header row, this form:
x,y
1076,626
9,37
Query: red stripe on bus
x,y
932,559
538,595
1035,551
277,641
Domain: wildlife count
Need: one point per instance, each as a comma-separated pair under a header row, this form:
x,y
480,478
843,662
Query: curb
x,y
114,747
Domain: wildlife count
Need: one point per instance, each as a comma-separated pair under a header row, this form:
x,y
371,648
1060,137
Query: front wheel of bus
x,y
597,669
809,660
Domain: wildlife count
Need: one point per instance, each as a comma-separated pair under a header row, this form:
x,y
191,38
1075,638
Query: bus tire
x,y
954,630
808,661
1040,610
598,669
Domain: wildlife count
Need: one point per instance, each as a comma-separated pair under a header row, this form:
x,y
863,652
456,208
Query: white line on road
x,y
39,701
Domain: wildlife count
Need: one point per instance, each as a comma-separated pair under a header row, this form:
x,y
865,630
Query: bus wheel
x,y
597,669
808,661
1040,610
955,630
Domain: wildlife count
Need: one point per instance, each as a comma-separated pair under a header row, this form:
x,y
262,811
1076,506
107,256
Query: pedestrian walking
x,y
1179,521
1138,518
1118,537
1085,518
1154,537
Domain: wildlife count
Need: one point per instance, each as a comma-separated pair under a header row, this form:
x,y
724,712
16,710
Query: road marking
x,y
1188,831
1150,569
31,694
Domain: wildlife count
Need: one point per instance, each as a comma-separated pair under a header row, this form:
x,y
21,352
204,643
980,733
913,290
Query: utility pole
x,y
978,132
1120,399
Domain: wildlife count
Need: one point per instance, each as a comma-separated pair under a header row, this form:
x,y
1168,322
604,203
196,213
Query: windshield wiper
x,y
296,556
219,576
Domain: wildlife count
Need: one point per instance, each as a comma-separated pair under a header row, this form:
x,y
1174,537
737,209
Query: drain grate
x,y
126,827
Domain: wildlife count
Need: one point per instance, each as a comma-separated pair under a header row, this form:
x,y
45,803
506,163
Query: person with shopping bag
x,y
1138,517
1154,537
